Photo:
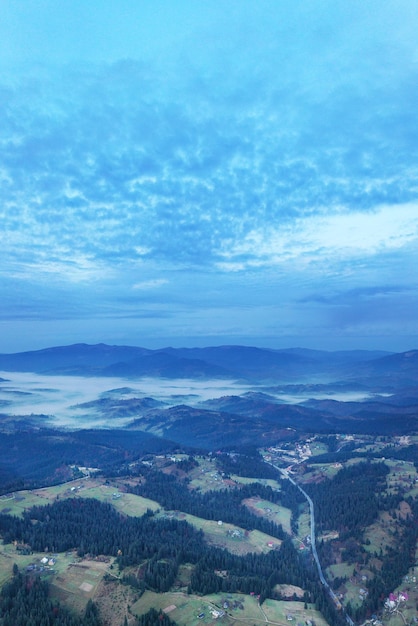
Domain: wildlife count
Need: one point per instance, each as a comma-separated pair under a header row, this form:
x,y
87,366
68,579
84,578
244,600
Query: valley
x,y
237,472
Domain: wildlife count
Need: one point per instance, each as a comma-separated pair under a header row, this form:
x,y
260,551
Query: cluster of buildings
x,y
393,602
45,565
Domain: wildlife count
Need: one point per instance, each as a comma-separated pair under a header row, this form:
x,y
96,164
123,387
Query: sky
x,y
209,172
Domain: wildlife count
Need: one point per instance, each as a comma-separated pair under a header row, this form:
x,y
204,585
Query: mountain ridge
x,y
227,361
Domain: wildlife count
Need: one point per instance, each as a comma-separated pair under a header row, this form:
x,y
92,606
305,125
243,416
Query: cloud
x,y
150,284
354,296
245,154
123,165
330,236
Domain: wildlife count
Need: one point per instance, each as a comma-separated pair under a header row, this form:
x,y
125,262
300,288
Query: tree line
x,y
157,545
223,504
349,503
25,600
249,464
351,500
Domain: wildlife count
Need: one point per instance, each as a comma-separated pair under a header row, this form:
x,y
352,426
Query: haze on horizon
x,y
188,174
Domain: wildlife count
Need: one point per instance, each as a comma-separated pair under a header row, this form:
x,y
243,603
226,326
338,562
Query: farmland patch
x,y
231,609
274,512
233,538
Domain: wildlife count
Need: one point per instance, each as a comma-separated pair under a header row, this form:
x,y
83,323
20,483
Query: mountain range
x,y
275,396
226,362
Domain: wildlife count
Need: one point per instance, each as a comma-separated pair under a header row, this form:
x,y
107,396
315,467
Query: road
x,y
330,591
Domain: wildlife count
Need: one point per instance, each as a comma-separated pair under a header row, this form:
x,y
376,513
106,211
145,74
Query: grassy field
x,y
129,504
18,502
237,608
379,536
184,574
74,581
319,447
304,524
133,505
340,570
354,584
278,612
402,474
320,471
78,582
9,556
206,476
229,536
208,470
22,500
289,591
181,607
126,503
63,561
269,482
274,512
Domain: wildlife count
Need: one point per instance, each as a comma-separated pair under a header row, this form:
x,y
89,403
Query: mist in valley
x,y
62,399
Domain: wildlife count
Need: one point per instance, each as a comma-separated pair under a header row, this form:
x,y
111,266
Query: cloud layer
x,y
237,162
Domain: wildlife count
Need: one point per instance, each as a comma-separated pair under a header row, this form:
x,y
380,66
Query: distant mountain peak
x,y
410,354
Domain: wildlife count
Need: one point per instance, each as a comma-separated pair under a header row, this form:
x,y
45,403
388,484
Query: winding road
x,y
330,591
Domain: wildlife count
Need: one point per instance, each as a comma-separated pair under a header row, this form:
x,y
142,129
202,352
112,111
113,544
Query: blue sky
x,y
200,173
